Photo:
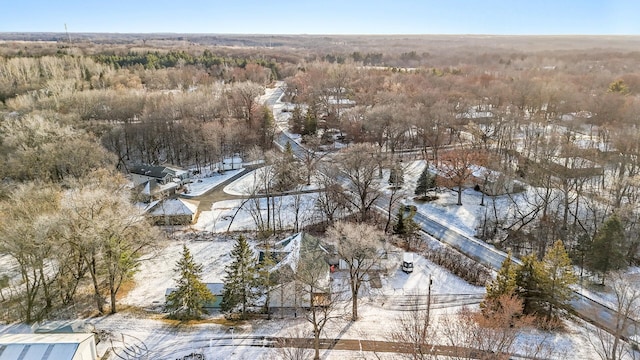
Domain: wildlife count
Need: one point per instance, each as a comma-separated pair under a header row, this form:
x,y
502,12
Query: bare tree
x,y
28,227
315,285
362,247
489,335
609,344
288,346
108,231
415,328
331,200
456,167
362,187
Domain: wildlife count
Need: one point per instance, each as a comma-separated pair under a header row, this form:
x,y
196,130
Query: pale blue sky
x,y
517,17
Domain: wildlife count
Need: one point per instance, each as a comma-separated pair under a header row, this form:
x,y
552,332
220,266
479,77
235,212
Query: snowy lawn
x,y
207,181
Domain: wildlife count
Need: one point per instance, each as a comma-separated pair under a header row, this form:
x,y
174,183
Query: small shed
x,y
214,288
48,346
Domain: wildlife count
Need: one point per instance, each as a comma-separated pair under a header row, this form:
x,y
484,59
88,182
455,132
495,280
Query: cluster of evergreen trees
x,y
244,282
542,285
158,60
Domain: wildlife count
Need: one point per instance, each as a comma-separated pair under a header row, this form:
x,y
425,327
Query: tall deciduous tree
x,y
456,166
608,344
362,188
362,247
240,278
28,222
188,299
108,231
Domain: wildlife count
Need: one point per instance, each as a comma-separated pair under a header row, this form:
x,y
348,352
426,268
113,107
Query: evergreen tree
x,y
310,124
528,280
287,172
425,182
405,226
607,249
557,278
240,278
296,121
398,228
189,298
503,284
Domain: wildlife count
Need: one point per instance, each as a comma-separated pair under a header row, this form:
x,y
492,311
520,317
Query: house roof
x,y
301,250
175,207
215,288
41,346
158,172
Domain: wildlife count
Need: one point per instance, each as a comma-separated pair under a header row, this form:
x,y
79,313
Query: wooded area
x,y
557,116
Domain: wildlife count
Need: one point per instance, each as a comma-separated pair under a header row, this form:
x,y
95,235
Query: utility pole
x,y
429,300
67,31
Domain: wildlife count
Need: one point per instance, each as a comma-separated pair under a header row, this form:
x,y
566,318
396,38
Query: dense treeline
x,y
158,60
563,125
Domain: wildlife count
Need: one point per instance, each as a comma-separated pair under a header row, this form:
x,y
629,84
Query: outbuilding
x,y
48,347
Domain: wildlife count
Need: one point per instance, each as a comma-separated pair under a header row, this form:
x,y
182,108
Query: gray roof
x,y
158,172
215,288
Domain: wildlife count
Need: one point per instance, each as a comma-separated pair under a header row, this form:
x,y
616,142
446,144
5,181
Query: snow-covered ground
x,y
379,312
207,181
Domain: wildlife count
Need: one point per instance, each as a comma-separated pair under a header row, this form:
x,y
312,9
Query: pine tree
x,y
189,298
296,120
607,248
557,278
503,284
425,182
310,124
240,278
287,172
528,280
398,228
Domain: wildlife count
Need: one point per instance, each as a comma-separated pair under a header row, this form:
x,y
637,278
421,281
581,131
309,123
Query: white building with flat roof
x,y
48,347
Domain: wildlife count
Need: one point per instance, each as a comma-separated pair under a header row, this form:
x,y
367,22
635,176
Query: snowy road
x,y
586,308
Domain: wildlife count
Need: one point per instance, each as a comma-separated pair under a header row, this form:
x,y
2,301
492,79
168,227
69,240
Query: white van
x,y
407,262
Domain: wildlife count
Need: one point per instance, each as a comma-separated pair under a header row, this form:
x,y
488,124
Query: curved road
x,y
584,307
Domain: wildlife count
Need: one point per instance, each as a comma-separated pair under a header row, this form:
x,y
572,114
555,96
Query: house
x,y
155,181
214,288
299,255
173,211
140,174
48,347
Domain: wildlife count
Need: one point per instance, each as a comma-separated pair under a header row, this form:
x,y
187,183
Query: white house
x,y
297,253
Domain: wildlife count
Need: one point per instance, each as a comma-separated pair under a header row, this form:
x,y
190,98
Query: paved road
x,y
584,307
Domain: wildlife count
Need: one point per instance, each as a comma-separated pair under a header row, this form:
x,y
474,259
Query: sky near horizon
x,y
499,17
